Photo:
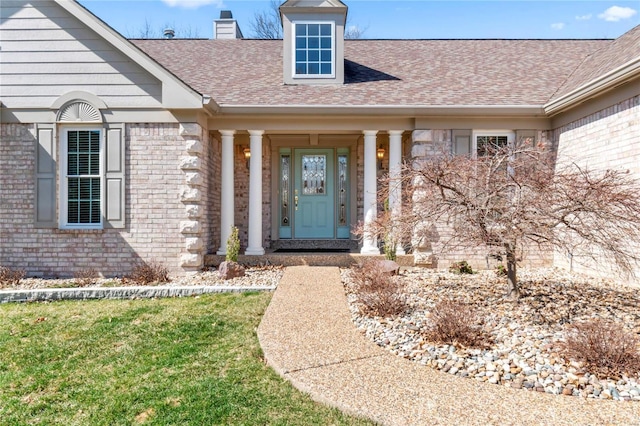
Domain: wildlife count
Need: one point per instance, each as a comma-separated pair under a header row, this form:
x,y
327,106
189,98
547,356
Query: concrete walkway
x,y
308,337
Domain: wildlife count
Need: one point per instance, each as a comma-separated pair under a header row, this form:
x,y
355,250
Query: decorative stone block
x,y
190,163
190,129
193,211
191,260
193,178
190,195
418,150
194,146
194,244
422,136
189,227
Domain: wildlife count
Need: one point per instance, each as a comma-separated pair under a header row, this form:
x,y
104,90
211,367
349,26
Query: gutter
x,y
387,110
607,81
210,106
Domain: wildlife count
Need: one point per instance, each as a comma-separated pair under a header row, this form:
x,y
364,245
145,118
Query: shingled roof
x,y
606,59
418,73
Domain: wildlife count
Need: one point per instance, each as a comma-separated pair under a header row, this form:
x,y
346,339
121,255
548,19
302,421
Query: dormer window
x,y
314,49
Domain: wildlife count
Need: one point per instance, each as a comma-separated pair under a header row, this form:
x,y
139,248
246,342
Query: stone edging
x,y
51,294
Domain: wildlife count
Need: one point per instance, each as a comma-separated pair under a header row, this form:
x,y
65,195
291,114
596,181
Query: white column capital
x,y
369,132
255,132
227,132
396,132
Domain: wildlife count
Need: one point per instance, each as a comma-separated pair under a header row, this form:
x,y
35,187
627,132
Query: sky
x,y
415,19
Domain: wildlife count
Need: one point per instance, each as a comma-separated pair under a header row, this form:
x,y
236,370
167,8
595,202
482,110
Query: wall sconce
x,y
380,155
247,155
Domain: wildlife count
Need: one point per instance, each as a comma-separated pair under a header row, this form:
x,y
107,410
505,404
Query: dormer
x,y
313,33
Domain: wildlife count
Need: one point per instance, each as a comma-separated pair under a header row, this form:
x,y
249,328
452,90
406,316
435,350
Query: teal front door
x,y
314,194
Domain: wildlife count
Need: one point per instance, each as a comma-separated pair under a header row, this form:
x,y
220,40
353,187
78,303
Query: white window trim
x,y
510,134
333,51
63,202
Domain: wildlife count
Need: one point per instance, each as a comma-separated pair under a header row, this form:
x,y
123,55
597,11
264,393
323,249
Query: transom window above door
x,y
314,49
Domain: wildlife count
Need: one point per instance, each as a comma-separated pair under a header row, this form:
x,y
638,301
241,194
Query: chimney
x,y
226,27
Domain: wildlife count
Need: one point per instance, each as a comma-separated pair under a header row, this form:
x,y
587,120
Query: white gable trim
x,y
175,93
596,86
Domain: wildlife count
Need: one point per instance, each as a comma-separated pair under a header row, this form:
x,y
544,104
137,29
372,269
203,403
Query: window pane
x,y
301,68
325,56
301,55
313,174
325,69
314,69
325,42
83,192
325,29
314,42
301,29
314,55
314,29
301,42
284,190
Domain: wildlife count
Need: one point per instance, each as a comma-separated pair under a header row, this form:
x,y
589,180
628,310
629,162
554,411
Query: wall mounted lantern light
x,y
247,155
380,154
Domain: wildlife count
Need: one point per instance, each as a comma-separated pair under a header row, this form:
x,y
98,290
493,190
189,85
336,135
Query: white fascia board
x,y
595,86
393,110
175,93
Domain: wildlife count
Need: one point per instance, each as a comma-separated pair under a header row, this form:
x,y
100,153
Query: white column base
x,y
254,251
370,250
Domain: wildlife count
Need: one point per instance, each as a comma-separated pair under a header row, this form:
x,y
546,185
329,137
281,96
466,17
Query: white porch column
x,y
370,242
255,194
395,183
227,207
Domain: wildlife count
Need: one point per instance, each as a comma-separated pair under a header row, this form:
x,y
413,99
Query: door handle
x,y
295,200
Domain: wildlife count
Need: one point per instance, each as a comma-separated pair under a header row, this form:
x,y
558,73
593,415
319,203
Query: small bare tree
x,y
266,24
517,195
148,31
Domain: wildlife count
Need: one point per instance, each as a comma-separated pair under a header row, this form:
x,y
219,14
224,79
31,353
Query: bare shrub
x,y
455,323
86,277
378,293
144,273
10,276
604,346
461,267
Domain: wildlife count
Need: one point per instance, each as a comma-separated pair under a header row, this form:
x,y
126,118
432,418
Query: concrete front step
x,y
311,259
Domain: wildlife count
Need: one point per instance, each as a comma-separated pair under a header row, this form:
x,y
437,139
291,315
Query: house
x,y
116,151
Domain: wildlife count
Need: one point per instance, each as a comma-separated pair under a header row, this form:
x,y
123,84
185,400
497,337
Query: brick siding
x,y
607,139
154,209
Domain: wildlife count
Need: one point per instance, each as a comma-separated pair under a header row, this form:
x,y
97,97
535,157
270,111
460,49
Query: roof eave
x,y
596,86
387,110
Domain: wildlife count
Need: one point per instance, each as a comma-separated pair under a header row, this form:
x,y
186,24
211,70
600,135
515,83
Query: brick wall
x,y
607,139
155,207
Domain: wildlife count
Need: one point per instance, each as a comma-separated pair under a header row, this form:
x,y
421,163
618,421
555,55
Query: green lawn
x,y
192,361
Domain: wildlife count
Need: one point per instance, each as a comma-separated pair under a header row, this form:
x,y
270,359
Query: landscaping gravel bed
x,y
524,352
254,277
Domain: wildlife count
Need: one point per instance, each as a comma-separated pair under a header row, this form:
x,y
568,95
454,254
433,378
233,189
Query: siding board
x,y
47,52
